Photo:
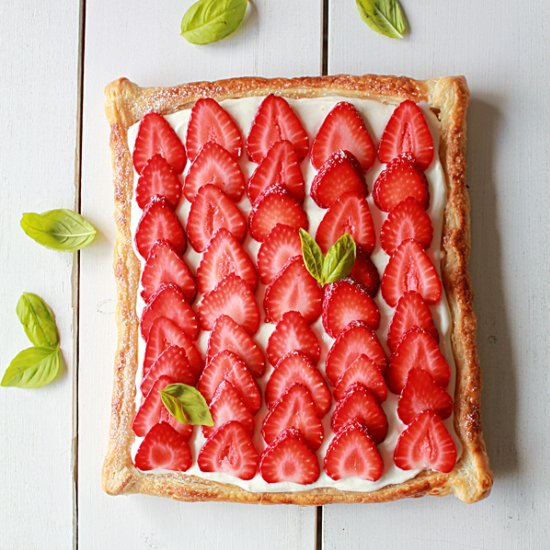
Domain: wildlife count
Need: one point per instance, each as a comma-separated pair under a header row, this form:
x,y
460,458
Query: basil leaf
x,y
38,320
59,229
384,16
186,404
33,368
339,259
312,255
211,20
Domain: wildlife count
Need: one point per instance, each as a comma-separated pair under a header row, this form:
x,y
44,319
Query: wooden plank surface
x,y
141,40
502,52
38,110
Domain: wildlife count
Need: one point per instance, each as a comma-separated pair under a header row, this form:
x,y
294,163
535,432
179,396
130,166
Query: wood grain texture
x,y
38,86
502,54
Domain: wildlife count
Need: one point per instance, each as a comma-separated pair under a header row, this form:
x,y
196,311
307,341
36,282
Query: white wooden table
x,y
56,57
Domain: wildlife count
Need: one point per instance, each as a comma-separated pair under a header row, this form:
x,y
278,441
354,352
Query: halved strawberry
x,y
225,365
289,458
417,349
425,443
159,222
294,289
349,214
275,121
346,301
212,210
360,404
400,180
355,340
339,174
156,136
421,393
411,312
163,447
229,336
282,244
410,268
408,220
366,372
149,411
158,179
352,453
292,333
296,368
169,302
280,166
186,430
231,297
215,166
209,121
226,405
275,206
343,128
223,256
365,273
407,132
164,265
229,450
165,333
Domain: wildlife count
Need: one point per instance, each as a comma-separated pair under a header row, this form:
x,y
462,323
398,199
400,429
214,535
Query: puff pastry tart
x,y
360,385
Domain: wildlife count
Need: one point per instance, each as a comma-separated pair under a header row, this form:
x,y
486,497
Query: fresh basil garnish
x,y
33,368
186,404
38,320
312,255
384,16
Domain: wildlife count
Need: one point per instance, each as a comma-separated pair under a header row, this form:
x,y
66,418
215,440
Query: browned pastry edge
x,y
126,103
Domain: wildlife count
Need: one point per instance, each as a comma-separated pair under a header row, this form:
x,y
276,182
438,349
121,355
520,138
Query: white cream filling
x,y
312,113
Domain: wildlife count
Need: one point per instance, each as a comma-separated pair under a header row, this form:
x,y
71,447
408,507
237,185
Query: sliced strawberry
x,y
224,256
186,430
289,458
282,244
349,214
211,211
366,372
417,348
294,289
360,404
355,340
229,336
231,297
365,273
156,137
408,220
292,333
169,302
209,121
275,206
164,265
280,166
407,132
149,411
346,301
421,393
229,450
425,443
295,409
352,453
399,181
228,366
296,368
275,121
339,174
159,222
343,128
411,312
163,447
165,333
158,180
227,405
410,268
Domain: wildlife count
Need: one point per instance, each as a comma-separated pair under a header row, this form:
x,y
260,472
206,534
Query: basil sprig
x,y
384,16
186,404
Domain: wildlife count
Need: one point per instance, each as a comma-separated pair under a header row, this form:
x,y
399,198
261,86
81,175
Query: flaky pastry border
x,y
127,103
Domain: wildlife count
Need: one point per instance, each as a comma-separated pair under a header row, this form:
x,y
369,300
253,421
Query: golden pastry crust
x,y
127,103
